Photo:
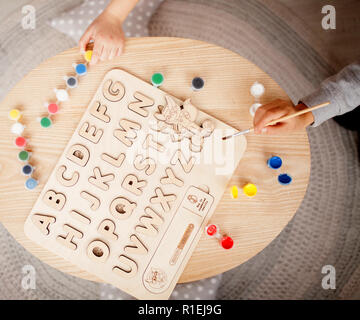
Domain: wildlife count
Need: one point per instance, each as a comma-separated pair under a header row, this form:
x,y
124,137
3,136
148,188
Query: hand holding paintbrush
x,y
278,110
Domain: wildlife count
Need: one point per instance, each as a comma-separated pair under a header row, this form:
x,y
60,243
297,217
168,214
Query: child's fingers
x,y
278,129
263,117
118,52
121,48
97,51
84,40
112,53
105,53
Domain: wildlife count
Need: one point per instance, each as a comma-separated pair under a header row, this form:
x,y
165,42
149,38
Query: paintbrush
x,y
271,123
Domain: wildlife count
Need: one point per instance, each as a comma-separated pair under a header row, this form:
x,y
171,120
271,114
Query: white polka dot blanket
x,y
74,22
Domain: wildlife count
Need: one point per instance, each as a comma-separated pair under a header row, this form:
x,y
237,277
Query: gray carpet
x,y
326,228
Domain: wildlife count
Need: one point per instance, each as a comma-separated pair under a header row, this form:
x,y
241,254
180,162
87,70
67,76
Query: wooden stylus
x,y
271,123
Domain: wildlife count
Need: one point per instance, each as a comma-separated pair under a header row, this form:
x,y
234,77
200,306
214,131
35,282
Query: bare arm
x,y
106,31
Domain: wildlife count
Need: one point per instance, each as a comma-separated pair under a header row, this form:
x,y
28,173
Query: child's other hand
x,y
108,36
277,109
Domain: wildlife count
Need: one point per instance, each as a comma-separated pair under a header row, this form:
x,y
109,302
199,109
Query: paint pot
x,y
17,128
53,108
250,189
212,230
71,82
88,55
284,179
80,69
254,108
61,95
23,155
274,162
197,84
157,79
27,170
234,192
45,122
20,142
257,90
227,242
31,183
14,114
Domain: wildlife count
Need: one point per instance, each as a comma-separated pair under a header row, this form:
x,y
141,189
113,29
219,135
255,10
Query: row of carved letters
x,y
120,207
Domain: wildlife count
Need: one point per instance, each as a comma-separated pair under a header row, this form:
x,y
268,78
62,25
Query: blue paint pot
x,y
31,183
80,69
284,179
274,162
27,169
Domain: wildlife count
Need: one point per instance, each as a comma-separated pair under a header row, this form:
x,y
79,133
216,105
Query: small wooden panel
x,y
122,196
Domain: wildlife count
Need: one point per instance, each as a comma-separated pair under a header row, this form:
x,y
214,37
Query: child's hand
x,y
277,109
106,31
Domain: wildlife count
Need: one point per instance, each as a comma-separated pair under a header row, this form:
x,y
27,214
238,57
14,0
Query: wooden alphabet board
x,y
131,194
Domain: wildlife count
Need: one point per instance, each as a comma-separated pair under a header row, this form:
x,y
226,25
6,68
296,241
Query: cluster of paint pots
x,y
275,163
24,155
52,108
62,95
256,90
250,189
197,83
213,231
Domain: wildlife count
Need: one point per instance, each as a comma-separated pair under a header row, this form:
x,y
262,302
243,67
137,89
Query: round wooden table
x,y
252,222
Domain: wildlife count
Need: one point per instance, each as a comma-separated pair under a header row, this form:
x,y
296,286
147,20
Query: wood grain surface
x,y
252,222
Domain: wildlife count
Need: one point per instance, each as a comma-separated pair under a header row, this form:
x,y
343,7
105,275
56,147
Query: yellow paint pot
x,y
88,55
250,189
234,192
14,114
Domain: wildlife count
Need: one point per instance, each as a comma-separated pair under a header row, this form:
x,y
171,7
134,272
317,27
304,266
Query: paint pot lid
x,y
80,68
257,90
23,155
31,183
250,190
157,79
211,230
71,81
198,83
45,122
53,108
14,114
62,95
20,142
27,169
227,242
254,108
234,192
17,128
284,179
275,162
88,55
